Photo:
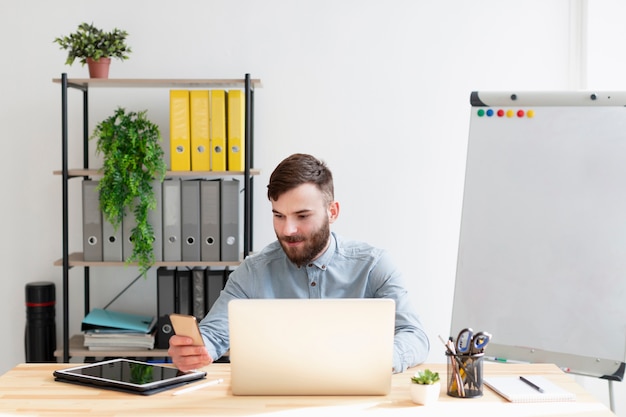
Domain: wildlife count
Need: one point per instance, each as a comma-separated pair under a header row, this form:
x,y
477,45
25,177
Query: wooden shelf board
x,y
168,174
159,82
76,259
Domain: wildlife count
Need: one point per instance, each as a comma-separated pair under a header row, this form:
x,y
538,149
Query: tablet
x,y
128,375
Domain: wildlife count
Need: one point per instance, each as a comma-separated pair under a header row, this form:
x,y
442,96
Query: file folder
x,y
166,305
180,156
190,215
163,333
210,220
92,221
171,220
111,242
198,291
200,145
214,285
183,291
217,112
107,320
229,213
155,219
166,291
236,130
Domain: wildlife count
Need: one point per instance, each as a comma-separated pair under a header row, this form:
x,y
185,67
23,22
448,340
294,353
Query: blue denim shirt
x,y
347,269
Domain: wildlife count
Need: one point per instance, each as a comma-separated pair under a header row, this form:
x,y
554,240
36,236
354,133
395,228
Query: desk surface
x,y
30,389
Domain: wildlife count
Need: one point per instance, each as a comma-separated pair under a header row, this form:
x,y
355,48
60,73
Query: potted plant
x,y
425,387
95,47
133,160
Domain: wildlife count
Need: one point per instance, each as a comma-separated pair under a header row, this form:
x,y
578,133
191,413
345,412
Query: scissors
x,y
479,341
464,341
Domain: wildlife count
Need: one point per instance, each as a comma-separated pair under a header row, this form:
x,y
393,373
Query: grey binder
x,y
111,242
229,220
210,220
155,218
198,292
183,291
190,215
166,291
214,285
92,222
171,220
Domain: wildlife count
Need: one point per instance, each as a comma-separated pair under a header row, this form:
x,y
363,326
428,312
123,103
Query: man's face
x,y
302,223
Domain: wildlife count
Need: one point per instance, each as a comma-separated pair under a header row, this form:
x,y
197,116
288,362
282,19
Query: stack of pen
x,y
465,363
456,381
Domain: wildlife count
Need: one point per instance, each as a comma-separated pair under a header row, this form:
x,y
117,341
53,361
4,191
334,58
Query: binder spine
x,y
230,220
92,222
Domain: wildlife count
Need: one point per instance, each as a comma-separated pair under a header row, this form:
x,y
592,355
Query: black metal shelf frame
x,y
248,179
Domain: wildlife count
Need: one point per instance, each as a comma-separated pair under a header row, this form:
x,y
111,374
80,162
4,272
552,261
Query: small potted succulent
x,y
94,47
425,387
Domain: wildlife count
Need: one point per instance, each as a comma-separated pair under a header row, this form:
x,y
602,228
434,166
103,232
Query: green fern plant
x,y
133,159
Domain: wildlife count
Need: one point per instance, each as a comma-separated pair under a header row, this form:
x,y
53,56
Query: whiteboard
x,y
542,247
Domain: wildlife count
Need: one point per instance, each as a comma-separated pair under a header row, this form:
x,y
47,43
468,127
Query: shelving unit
x,y
68,260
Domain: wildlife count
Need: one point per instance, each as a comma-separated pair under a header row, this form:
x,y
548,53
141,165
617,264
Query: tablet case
x,y
103,377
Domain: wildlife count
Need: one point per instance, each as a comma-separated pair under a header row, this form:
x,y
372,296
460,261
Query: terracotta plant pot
x,y
424,394
99,68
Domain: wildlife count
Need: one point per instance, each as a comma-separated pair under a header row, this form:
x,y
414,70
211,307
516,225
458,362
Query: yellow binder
x,y
180,159
199,117
218,129
236,130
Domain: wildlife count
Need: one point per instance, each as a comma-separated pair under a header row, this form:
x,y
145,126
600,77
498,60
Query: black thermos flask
x,y
40,337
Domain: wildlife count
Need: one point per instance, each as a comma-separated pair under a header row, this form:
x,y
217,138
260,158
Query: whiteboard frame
x,y
611,369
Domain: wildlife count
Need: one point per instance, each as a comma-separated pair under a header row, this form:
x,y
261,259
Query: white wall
x,y
378,89
605,68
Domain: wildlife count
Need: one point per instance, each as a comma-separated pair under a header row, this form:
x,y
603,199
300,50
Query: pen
x,y
458,378
538,388
197,387
503,360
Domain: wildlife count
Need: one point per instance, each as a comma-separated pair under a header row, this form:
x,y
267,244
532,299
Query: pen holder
x,y
465,375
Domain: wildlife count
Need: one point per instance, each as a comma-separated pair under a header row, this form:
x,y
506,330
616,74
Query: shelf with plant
x,y
70,260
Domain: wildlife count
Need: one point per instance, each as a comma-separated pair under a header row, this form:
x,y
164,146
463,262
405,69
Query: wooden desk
x,y
30,389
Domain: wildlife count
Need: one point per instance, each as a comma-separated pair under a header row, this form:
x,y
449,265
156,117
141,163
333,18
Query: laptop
x,y
311,347
127,375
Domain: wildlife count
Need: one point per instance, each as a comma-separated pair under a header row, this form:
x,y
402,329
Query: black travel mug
x,y
40,337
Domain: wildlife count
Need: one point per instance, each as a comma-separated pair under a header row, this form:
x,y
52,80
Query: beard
x,y
313,245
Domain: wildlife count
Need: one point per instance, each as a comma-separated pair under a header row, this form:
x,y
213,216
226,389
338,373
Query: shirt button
x,y
310,265
313,284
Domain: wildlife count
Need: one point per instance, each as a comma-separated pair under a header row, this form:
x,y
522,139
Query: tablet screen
x,y
128,375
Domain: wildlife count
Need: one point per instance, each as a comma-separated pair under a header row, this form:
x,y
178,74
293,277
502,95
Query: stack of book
x,y
107,330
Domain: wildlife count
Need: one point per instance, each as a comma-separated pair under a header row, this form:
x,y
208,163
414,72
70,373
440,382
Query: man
x,y
307,261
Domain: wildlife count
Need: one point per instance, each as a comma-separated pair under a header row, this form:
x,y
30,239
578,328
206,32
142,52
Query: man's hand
x,y
186,356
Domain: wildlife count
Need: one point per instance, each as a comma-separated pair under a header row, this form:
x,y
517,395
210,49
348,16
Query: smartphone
x,y
185,325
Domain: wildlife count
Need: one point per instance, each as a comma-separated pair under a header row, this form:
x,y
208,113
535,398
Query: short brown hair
x,y
299,169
